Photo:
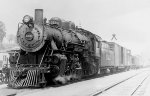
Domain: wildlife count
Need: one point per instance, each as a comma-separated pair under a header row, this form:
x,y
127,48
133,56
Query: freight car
x,y
58,50
135,62
114,57
107,63
122,56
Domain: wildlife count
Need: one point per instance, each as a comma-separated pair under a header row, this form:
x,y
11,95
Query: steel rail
x,y
139,85
105,89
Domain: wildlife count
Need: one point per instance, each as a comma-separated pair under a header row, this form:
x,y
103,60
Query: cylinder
x,y
38,16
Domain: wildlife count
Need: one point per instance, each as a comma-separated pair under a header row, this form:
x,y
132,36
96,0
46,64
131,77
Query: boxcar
x,y
135,62
121,56
107,57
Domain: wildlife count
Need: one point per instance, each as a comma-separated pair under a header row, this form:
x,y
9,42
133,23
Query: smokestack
x,y
39,16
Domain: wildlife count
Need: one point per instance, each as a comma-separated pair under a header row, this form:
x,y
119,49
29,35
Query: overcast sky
x,y
128,19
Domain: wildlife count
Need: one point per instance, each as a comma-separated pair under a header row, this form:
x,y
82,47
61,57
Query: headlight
x,y
27,19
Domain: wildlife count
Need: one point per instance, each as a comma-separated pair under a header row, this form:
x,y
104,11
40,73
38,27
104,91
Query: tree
x,y
2,33
11,38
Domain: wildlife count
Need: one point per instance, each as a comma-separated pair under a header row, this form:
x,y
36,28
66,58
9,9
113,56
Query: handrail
x,y
18,58
43,56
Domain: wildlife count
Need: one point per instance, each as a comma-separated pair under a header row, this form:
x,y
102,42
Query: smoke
x,y
60,79
65,79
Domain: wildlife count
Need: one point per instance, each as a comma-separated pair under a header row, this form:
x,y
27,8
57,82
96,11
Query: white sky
x,y
128,19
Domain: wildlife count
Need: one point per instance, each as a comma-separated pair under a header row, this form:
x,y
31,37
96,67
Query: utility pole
x,y
113,37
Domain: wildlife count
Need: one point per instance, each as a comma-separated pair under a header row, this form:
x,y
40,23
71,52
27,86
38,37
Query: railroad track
x,y
138,87
11,92
101,91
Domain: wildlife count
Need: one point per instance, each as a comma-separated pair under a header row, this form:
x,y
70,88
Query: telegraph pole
x,y
113,37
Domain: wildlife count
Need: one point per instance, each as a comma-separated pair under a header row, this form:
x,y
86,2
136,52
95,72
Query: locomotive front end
x,y
30,38
30,35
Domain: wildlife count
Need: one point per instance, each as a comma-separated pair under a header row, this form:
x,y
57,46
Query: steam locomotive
x,y
58,49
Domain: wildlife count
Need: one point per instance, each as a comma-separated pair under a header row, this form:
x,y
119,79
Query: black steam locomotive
x,y
50,51
56,50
